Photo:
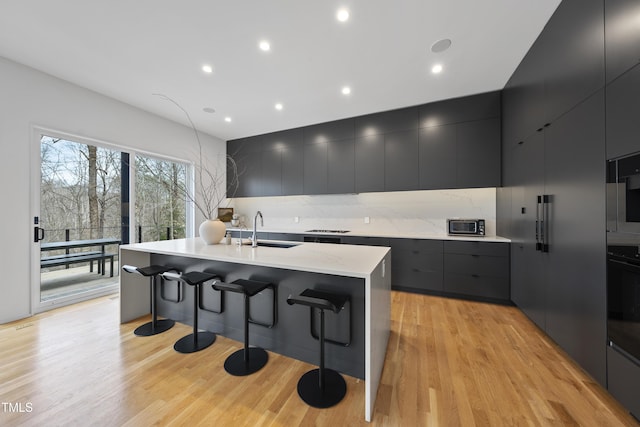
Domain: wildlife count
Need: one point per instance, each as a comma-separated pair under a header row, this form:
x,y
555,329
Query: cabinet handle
x,y
546,201
538,225
475,276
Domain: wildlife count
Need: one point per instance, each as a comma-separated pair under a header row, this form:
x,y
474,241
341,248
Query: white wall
x,y
28,98
403,212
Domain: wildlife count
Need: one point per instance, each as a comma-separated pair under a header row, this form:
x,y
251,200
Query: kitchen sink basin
x,y
277,245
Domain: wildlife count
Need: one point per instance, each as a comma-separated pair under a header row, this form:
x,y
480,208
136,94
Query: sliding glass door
x,y
78,225
84,195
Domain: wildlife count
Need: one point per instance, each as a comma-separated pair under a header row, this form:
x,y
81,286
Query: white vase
x,y
212,231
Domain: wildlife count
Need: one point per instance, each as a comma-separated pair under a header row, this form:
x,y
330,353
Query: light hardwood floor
x,y
449,363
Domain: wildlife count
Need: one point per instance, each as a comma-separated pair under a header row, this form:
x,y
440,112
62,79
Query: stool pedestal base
x,y
335,388
149,329
194,342
236,365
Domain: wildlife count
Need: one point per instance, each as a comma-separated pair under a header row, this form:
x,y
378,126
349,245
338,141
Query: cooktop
x,y
327,231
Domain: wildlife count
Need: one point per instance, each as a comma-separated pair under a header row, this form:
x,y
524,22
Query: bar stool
x,y
197,340
247,360
155,326
321,388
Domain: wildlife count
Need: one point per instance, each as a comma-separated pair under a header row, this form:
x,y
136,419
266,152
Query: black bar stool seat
x,y
197,340
155,326
322,387
249,359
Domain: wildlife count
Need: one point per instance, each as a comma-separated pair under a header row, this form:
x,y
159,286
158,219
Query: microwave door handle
x,y
538,204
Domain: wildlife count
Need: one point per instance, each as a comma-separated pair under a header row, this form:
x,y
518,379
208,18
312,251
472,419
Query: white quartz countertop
x,y
381,233
343,260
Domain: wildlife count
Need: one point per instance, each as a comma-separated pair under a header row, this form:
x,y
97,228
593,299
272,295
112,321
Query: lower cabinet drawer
x,y
414,278
477,285
477,264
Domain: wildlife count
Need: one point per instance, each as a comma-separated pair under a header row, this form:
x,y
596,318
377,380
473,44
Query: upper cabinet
x,y
564,66
573,42
622,36
448,144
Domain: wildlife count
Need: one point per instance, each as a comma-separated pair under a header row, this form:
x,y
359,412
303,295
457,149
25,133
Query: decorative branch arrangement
x,y
209,187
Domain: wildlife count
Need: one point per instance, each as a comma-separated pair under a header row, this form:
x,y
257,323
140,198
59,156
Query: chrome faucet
x,y
254,239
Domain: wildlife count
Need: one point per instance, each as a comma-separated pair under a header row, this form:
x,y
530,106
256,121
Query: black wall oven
x,y
623,299
623,255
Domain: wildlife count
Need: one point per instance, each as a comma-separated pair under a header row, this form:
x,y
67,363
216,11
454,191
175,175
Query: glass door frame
x,y
38,306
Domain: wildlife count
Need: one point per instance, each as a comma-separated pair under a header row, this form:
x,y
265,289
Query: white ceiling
x,y
131,49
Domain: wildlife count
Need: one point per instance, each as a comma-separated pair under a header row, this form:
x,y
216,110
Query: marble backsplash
x,y
402,212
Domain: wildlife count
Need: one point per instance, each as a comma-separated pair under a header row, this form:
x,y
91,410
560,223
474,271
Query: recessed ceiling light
x,y
436,69
279,106
208,110
441,45
346,90
227,119
264,45
207,69
342,15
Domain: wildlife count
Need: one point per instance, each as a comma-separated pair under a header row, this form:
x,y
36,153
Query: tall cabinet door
x,y
575,180
528,283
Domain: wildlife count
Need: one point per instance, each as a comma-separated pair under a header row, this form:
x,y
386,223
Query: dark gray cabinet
x,y
564,66
416,265
576,311
447,144
462,155
477,269
387,122
528,266
315,168
478,154
401,161
365,240
563,290
292,157
271,179
623,104
247,153
523,106
459,110
369,164
341,166
573,44
437,157
622,36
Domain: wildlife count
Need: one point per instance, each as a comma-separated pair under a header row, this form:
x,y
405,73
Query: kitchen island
x,y
362,272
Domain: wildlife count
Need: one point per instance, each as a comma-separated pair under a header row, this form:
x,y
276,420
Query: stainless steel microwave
x,y
465,227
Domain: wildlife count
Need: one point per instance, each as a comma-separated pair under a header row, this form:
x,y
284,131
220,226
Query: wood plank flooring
x,y
449,363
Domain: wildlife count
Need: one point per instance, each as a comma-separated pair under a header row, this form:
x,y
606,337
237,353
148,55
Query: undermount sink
x,y
277,245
